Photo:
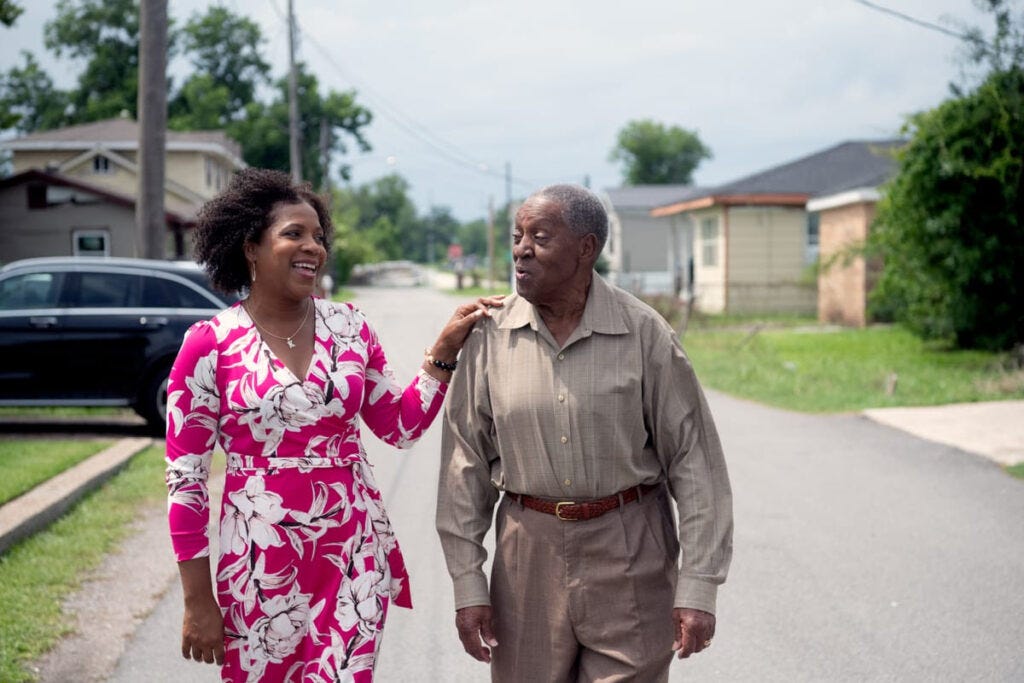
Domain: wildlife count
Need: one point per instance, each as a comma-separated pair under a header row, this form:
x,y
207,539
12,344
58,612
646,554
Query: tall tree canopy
x,y
105,35
950,229
225,51
28,99
263,132
9,12
653,154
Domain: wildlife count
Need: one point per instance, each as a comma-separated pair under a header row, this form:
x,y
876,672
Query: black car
x,y
82,331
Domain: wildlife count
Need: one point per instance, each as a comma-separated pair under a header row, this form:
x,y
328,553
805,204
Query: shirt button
x,y
565,439
561,398
568,482
561,356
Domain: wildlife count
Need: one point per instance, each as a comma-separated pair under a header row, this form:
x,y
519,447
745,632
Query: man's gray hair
x,y
582,211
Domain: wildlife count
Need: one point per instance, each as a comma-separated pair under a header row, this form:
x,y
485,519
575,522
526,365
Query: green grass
x,y
342,294
1016,470
26,463
828,370
64,411
38,573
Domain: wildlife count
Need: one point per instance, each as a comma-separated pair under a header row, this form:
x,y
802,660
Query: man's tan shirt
x,y
618,405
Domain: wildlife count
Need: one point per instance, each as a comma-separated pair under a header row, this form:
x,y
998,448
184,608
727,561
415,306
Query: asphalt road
x,y
861,553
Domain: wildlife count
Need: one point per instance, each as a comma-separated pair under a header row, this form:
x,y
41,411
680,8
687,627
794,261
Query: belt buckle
x,y
558,511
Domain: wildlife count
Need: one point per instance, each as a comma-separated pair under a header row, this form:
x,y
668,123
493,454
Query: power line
x,y
441,147
913,20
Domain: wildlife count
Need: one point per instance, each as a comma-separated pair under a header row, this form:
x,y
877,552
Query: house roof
x,y
123,134
647,197
848,165
56,179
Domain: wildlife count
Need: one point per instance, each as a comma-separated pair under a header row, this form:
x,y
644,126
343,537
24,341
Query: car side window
x,y
158,292
30,290
108,290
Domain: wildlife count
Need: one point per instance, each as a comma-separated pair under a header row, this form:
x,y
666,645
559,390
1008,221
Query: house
x,y
648,254
845,214
43,213
73,189
755,243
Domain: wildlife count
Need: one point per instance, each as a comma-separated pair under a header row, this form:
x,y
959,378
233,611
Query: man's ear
x,y
588,247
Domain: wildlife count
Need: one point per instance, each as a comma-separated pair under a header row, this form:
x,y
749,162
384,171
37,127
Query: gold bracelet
x,y
440,364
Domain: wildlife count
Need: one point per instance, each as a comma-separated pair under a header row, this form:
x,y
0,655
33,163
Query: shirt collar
x,y
603,313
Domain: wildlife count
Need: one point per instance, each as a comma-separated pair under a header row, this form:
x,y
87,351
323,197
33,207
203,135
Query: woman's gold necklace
x,y
288,339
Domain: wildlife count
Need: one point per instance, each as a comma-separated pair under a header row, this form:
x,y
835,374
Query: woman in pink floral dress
x,y
309,564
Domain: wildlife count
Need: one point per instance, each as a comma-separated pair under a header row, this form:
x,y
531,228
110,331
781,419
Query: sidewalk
x,y
993,429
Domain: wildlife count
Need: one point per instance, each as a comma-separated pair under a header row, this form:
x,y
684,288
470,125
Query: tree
x,y
105,34
432,235
224,50
652,154
9,12
28,99
950,229
263,131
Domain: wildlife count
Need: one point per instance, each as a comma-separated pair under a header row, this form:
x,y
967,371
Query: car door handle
x,y
153,321
43,321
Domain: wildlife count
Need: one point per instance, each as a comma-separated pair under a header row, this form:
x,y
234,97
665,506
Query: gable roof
x,y
646,197
116,198
123,134
847,165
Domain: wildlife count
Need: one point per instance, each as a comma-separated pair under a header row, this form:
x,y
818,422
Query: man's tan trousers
x,y
584,601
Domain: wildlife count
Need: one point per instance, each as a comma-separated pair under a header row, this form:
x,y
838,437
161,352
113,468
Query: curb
x,y
38,508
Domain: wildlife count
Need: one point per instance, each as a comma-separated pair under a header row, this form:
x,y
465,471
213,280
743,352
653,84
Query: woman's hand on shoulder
x,y
454,334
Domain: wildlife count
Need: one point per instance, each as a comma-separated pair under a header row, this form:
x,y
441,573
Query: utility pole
x,y
295,152
492,277
150,222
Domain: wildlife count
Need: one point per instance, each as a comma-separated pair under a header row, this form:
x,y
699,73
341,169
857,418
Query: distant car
x,y
93,331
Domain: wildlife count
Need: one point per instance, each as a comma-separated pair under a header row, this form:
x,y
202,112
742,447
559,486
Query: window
x,y
36,196
90,242
209,171
31,290
101,164
709,241
813,238
108,290
158,292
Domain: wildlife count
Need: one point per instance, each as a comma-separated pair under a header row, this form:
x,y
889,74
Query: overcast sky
x,y
459,88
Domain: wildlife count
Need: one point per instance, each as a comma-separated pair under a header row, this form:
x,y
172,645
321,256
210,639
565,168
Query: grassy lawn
x,y
38,573
26,463
43,412
1016,470
817,369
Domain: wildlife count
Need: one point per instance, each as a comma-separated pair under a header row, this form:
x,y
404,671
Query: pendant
x,y
291,344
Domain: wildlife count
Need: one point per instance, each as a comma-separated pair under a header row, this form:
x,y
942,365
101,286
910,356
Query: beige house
x,y
846,277
755,244
70,186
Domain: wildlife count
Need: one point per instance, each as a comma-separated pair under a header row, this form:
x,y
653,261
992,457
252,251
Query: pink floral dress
x,y
308,559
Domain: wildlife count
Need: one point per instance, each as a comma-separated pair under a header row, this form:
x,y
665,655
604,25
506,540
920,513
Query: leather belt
x,y
579,511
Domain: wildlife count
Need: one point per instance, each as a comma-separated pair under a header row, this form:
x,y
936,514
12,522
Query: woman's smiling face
x,y
290,252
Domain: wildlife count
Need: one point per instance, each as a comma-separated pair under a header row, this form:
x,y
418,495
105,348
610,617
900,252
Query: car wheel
x,y
153,401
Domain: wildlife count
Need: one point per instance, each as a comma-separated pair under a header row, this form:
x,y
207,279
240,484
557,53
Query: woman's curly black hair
x,y
240,214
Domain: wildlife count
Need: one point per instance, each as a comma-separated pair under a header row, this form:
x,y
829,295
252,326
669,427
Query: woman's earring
x,y
252,273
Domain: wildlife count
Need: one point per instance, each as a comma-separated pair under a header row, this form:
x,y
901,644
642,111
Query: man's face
x,y
548,256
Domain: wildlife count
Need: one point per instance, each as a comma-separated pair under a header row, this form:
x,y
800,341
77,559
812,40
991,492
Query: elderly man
x,y
576,406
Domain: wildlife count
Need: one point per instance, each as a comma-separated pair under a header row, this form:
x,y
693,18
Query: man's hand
x,y
202,632
694,631
474,624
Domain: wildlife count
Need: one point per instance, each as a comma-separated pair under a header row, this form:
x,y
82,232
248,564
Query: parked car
x,y
84,331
